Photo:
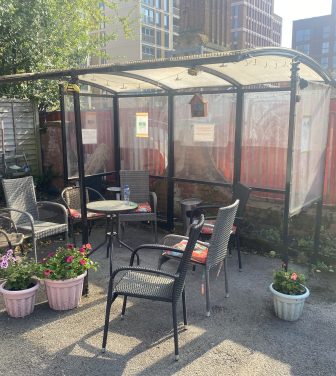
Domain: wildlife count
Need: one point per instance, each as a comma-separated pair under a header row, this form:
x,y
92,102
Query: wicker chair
x,y
208,254
71,200
240,192
138,182
26,212
153,284
9,236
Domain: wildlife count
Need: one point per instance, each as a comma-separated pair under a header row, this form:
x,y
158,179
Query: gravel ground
x,y
242,336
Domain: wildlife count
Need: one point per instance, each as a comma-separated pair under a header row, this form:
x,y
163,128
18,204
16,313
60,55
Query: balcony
x,y
148,38
148,20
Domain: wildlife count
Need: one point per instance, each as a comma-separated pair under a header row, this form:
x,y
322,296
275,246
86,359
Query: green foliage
x,y
43,181
289,282
40,35
17,271
66,262
272,234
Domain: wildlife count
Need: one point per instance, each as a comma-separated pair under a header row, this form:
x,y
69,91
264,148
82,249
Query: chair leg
x,y
226,278
155,231
110,299
207,292
34,247
175,332
162,260
184,307
238,250
124,307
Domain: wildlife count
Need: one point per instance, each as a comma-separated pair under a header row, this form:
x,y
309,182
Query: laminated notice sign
x,y
89,136
141,124
204,132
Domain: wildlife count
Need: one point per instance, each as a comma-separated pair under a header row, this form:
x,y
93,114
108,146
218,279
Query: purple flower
x,y
9,253
4,264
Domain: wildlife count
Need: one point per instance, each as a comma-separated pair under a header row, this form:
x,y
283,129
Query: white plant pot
x,y
288,307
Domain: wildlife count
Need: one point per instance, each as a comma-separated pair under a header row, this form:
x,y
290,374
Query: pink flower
x,y
47,272
51,254
88,246
82,262
82,250
70,246
69,258
293,277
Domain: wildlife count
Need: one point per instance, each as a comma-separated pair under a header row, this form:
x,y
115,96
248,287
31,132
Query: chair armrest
x,y
144,270
4,217
153,201
159,247
101,197
4,233
28,215
61,207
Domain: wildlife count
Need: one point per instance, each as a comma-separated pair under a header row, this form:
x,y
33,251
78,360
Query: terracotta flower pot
x,y
19,303
64,295
288,307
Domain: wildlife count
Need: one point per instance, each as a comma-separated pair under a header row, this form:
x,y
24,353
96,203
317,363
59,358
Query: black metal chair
x,y
153,284
205,254
240,192
138,182
71,200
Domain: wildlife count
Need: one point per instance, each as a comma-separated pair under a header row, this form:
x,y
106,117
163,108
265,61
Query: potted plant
x,y
289,293
63,272
19,288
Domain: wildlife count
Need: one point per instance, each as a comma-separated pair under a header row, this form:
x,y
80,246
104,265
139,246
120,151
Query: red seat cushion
x,y
200,252
76,214
143,207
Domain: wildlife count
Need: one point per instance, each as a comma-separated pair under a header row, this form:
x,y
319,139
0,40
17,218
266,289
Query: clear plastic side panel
x,y
311,130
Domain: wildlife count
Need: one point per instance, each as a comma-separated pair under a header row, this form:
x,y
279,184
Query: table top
x,y
110,206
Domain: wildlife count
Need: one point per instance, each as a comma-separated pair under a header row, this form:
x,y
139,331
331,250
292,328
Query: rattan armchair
x,y
9,236
207,254
71,200
29,215
138,182
153,284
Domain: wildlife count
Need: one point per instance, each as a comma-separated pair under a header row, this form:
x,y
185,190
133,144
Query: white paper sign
x,y
204,132
141,124
89,136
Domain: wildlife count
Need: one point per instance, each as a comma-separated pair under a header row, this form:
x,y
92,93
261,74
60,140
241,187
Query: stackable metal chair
x,y
71,200
138,182
26,212
153,284
207,254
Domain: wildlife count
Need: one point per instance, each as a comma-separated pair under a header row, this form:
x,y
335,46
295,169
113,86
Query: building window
x,y
166,21
166,40
158,4
148,2
166,5
302,35
147,15
325,48
148,35
324,62
158,19
334,61
326,32
158,37
304,48
148,52
158,53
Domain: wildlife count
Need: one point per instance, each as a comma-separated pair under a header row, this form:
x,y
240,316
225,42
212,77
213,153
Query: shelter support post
x,y
81,172
291,134
238,136
64,149
116,127
317,232
170,172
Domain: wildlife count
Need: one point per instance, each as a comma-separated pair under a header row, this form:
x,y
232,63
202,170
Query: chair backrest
x,y
194,233
138,182
241,192
219,240
20,194
71,197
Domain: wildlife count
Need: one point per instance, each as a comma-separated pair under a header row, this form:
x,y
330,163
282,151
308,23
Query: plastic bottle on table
x,y
127,193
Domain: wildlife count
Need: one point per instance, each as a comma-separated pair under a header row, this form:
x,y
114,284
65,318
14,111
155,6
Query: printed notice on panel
x,y
141,124
89,136
204,132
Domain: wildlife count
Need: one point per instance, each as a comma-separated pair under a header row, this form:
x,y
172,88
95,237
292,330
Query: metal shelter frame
x,y
147,78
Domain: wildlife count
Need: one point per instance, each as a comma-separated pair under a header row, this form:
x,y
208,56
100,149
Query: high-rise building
x,y
230,24
154,23
316,37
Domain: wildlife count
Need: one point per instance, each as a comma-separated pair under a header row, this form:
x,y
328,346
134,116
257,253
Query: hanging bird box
x,y
199,106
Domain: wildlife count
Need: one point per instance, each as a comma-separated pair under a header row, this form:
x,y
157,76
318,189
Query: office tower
x,y
316,37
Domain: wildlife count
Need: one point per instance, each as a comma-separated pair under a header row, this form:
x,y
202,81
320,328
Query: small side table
x,y
115,191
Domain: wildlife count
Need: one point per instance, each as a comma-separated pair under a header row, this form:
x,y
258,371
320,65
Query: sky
x,y
291,10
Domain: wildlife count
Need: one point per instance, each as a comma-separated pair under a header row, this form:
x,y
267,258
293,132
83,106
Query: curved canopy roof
x,y
268,66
